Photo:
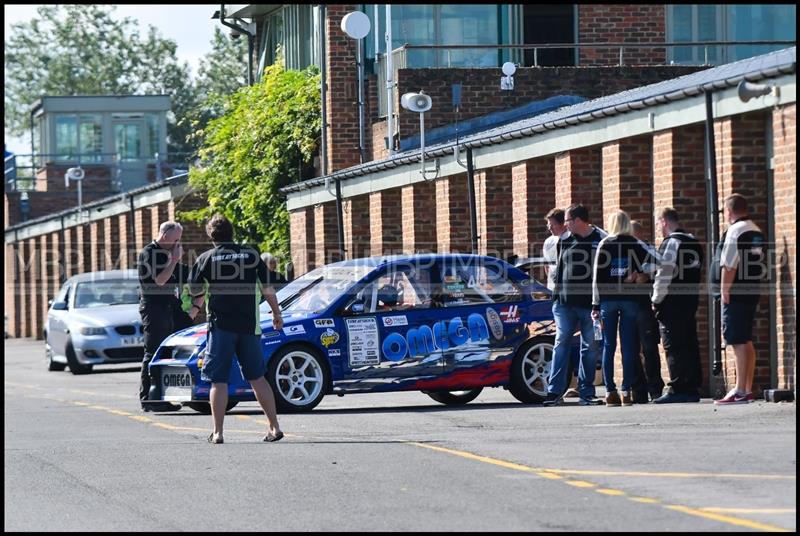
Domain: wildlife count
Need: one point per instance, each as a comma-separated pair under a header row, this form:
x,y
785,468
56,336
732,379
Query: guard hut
x,y
119,141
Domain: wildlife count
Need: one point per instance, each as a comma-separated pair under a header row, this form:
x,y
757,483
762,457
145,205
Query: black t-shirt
x,y
153,260
574,271
742,248
617,257
234,274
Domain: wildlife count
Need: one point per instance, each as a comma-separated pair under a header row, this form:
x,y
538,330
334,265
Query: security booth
x,y
121,137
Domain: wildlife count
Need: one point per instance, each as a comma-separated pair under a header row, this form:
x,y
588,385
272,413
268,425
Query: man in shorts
x,y
743,269
236,276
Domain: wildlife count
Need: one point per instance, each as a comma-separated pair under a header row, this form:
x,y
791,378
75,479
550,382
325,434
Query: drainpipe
x,y
389,80
132,242
473,222
323,87
712,228
62,266
250,38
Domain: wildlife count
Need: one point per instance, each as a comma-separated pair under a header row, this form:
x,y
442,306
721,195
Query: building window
x,y
746,22
79,137
153,136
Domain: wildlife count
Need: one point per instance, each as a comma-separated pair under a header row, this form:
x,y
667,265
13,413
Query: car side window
x,y
62,294
475,283
401,289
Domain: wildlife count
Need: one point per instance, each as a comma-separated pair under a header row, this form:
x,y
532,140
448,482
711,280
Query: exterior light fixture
x,y
507,81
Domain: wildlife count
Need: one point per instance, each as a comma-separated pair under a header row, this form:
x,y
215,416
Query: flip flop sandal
x,y
271,438
215,441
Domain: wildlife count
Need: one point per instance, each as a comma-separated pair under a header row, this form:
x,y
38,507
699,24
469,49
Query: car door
x,y
390,331
57,322
483,309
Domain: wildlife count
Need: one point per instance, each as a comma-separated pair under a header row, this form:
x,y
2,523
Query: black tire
x,y
75,367
205,407
286,387
455,398
48,358
530,370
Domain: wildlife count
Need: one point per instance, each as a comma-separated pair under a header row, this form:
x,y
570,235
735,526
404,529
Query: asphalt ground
x,y
81,456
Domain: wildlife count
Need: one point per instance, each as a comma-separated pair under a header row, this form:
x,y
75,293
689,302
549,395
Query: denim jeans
x,y
620,313
568,319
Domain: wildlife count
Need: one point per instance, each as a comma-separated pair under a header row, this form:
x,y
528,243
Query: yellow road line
x,y
727,519
750,510
670,475
553,474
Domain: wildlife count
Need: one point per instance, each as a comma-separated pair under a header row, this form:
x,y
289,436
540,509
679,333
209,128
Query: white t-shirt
x,y
549,252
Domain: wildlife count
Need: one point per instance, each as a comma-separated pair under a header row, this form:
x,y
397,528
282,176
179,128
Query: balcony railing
x,y
493,56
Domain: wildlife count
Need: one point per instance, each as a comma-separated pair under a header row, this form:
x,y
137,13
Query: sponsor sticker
x,y
294,330
270,334
329,337
362,334
510,314
323,323
334,353
391,321
495,324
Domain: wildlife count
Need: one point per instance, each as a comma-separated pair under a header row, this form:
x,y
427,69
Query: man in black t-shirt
x,y
160,275
236,277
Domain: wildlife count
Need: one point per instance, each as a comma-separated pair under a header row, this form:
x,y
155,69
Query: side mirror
x,y
357,308
59,306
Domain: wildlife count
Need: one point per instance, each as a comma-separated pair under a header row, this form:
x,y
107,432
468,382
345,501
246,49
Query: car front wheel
x,y
298,377
455,398
530,370
48,358
74,366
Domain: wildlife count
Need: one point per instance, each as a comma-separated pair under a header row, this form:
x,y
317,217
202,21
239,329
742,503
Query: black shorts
x,y
737,319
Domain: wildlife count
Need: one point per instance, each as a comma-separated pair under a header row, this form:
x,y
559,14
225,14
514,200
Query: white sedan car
x,y
94,319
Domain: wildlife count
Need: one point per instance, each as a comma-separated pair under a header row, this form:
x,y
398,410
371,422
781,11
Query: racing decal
x,y
334,353
323,323
362,335
294,330
443,336
329,337
270,334
495,324
391,321
510,314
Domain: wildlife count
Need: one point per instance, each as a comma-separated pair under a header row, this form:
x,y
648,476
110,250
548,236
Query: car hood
x,y
196,335
111,315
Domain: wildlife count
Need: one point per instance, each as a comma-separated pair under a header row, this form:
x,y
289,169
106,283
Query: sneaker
x,y
590,401
553,399
612,399
748,397
655,394
670,398
733,397
640,397
626,398
571,393
692,397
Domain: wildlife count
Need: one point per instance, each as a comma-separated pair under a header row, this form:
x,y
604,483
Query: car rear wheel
x,y
48,358
530,370
74,366
205,407
298,376
455,398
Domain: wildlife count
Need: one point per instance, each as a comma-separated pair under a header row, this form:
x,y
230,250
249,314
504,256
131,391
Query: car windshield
x,y
317,290
106,292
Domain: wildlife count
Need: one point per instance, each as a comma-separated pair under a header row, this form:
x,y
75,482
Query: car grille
x,y
133,352
126,330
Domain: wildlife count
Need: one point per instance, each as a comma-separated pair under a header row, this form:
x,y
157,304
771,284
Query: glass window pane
x,y
153,135
468,25
66,136
414,25
680,31
91,138
760,23
128,141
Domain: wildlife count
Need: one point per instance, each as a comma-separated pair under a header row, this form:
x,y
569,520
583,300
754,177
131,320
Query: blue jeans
x,y
620,313
568,319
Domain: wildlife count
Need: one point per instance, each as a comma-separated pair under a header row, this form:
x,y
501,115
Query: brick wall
x,y
355,220
13,300
533,194
301,237
784,129
326,234
385,220
481,94
578,176
419,217
493,197
452,215
627,23
627,181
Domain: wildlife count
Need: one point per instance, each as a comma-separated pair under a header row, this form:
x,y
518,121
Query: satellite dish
x,y
509,68
356,25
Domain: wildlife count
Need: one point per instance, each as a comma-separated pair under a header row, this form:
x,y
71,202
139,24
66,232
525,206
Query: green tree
x,y
82,50
268,132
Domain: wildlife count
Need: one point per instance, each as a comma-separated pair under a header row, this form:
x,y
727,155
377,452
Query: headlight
x,y
93,331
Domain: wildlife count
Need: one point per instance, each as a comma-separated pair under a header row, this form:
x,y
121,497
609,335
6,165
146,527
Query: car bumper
x,y
106,350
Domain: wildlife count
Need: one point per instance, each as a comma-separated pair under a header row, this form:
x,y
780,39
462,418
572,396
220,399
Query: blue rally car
x,y
446,325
